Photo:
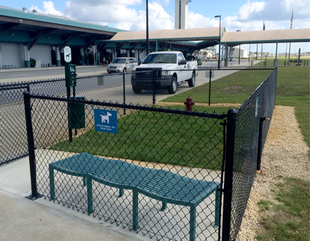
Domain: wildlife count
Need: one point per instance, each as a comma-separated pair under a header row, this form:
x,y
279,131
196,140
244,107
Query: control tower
x,y
181,10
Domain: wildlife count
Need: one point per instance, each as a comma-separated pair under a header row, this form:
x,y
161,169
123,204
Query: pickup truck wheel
x,y
192,81
136,89
173,87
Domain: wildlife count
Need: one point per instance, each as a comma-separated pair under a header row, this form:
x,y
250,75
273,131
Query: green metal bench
x,y
161,185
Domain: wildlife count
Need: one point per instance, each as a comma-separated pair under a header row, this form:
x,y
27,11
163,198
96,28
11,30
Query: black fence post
x,y
154,98
32,162
210,77
230,147
260,142
124,93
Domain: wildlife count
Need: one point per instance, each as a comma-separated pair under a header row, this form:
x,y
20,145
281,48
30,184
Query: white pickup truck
x,y
170,69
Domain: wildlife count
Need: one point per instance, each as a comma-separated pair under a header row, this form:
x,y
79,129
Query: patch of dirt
x,y
201,104
233,89
285,155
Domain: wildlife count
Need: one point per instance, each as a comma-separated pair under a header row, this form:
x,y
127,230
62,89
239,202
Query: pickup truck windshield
x,y
160,58
118,61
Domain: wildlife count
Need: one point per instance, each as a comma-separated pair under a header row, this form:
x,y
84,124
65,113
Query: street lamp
x,y
147,27
239,49
219,60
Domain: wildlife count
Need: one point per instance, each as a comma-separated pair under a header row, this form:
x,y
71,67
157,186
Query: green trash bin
x,y
76,114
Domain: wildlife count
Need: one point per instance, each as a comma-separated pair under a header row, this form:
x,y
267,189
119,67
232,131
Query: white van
x,y
122,64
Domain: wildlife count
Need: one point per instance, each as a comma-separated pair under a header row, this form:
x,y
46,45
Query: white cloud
x,y
122,15
48,7
159,18
249,9
107,2
196,20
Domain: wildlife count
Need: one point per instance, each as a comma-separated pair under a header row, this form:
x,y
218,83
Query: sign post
x,y
68,77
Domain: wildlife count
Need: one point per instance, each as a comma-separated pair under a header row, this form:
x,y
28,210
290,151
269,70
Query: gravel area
x,y
284,155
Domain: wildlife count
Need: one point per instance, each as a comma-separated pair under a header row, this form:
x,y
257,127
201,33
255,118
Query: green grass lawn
x,y
286,216
158,137
288,213
293,89
233,88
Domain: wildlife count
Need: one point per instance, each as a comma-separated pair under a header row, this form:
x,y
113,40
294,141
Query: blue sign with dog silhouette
x,y
106,120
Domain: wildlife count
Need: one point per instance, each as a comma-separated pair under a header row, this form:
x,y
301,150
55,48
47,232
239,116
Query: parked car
x,y
171,69
122,64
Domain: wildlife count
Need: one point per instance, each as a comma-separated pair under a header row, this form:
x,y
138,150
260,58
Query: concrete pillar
x,y
58,62
0,57
115,52
27,56
82,53
94,47
226,55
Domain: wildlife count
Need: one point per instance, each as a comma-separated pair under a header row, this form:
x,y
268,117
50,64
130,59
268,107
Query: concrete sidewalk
x,y
26,220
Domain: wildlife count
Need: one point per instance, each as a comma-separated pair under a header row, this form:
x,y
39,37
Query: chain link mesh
x,y
259,105
13,136
188,145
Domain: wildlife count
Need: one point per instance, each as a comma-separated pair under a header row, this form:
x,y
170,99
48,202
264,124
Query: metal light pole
x,y
147,27
219,60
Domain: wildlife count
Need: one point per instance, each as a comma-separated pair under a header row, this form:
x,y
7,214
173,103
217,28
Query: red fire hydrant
x,y
189,103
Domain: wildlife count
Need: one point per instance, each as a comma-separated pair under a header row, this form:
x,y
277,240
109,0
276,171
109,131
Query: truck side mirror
x,y
182,62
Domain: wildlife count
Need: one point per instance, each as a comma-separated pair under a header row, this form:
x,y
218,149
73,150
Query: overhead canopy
x,y
173,39
195,34
32,27
267,36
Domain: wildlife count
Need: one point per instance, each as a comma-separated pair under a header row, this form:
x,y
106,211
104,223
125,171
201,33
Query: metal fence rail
x,y
171,142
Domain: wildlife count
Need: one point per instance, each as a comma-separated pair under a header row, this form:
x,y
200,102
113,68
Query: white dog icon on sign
x,y
106,118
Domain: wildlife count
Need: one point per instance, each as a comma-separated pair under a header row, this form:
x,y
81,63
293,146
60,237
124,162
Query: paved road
x,y
30,74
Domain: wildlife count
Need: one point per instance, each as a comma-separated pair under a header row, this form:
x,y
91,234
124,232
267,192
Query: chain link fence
x,y
252,125
230,86
13,136
192,147
160,175
227,87
111,88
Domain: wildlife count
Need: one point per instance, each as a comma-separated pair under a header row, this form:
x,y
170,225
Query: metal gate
x,y
13,136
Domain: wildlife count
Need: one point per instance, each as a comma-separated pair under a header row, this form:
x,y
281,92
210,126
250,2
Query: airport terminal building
x,y
31,39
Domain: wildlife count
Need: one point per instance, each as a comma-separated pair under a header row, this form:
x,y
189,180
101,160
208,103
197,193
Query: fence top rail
x,y
13,87
130,106
32,82
237,68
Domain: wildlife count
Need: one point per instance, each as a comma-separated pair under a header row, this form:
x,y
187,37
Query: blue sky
x,y
246,15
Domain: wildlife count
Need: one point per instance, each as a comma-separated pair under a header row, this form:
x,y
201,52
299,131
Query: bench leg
x,y
121,192
217,208
164,206
135,210
52,184
88,181
192,224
